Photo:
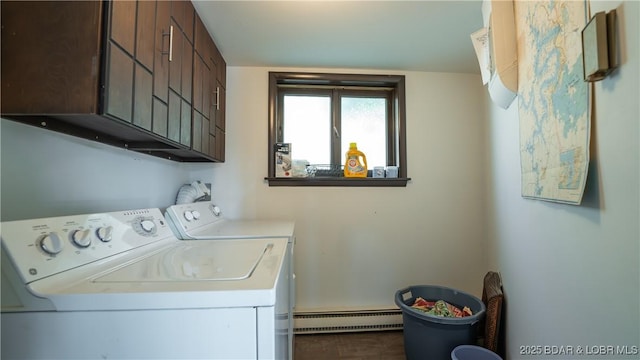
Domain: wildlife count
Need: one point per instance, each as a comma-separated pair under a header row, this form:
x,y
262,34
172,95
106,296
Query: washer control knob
x,y
104,233
81,238
148,225
50,243
216,210
188,215
196,214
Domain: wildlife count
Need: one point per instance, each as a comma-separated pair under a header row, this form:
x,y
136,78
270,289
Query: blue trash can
x,y
473,352
434,337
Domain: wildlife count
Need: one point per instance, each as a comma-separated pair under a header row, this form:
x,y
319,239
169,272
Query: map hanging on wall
x,y
554,109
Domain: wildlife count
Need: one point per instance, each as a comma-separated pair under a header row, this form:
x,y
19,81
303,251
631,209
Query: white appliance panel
x,y
25,240
200,220
220,334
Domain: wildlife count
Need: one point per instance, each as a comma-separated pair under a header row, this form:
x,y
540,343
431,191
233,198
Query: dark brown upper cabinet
x,y
209,95
119,72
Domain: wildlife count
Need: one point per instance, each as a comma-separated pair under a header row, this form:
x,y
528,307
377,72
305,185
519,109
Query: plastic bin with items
x,y
442,319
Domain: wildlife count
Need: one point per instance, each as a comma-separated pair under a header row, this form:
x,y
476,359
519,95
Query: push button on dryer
x,y
215,210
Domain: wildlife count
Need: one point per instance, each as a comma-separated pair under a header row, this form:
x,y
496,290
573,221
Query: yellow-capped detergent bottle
x,y
355,164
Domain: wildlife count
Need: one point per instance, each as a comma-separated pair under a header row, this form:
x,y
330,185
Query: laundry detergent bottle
x,y
355,164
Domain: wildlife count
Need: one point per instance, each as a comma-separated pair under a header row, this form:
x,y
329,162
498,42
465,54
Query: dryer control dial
x,y
144,226
148,225
188,215
81,238
105,233
50,243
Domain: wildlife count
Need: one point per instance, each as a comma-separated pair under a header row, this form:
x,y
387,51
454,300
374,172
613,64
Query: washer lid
x,y
147,278
192,261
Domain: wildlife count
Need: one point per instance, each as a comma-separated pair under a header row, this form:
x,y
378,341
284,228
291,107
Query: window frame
x,y
351,84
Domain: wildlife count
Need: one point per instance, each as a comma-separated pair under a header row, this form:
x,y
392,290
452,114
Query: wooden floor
x,y
383,345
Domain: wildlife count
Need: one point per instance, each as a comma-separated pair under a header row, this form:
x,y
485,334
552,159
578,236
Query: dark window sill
x,y
335,181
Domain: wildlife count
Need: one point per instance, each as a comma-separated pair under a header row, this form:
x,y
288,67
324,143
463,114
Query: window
x,y
321,114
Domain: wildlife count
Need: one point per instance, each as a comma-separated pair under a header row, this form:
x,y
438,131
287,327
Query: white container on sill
x,y
392,171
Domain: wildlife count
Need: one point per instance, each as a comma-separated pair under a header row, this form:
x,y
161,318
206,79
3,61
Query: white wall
x,y
571,273
45,174
357,246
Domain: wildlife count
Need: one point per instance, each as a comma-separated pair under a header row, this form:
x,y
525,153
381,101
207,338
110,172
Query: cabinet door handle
x,y
217,98
171,43
170,34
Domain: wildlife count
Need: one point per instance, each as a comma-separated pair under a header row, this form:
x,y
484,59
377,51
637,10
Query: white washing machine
x,y
204,221
121,286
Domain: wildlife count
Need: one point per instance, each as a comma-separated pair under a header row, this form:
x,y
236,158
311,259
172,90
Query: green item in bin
x,y
440,308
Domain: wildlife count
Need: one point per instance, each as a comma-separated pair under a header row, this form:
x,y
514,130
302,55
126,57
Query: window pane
x,y
364,121
307,121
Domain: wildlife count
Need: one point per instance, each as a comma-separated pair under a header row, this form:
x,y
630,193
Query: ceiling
x,y
432,36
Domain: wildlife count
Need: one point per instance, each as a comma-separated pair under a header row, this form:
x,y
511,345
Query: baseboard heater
x,y
347,321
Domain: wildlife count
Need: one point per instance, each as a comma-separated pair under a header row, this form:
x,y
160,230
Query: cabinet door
x,y
221,99
119,84
219,144
204,136
180,79
175,64
203,85
221,67
119,67
187,69
205,80
166,105
198,66
213,144
187,49
208,86
175,115
143,98
160,117
145,33
180,68
183,13
123,24
185,123
196,144
143,81
130,62
161,51
50,56
220,104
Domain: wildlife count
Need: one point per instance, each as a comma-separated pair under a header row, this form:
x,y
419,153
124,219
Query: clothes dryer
x,y
204,221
